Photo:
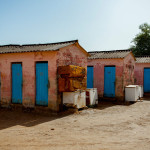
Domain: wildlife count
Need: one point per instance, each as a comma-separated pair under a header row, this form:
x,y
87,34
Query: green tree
x,y
141,41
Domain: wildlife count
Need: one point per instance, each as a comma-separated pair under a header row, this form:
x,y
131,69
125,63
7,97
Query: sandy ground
x,y
108,127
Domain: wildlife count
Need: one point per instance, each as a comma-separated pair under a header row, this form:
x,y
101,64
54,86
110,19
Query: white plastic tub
x,y
140,87
140,91
132,93
77,98
91,96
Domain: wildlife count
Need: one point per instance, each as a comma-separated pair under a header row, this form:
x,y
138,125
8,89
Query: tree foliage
x,y
141,41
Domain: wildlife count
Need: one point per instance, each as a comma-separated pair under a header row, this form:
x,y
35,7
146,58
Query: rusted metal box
x,y
71,71
71,84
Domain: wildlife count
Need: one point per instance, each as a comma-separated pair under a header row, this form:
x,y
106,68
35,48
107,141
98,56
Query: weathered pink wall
x,y
124,68
28,68
139,72
99,65
129,67
70,55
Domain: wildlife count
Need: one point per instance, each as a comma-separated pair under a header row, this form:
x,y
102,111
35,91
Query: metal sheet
x,y
90,77
109,81
147,80
34,47
109,54
42,83
144,59
17,83
71,71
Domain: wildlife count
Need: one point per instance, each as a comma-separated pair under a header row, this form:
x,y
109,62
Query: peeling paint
x,y
124,73
139,72
70,55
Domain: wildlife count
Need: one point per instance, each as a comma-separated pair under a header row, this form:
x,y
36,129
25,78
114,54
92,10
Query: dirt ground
x,y
107,127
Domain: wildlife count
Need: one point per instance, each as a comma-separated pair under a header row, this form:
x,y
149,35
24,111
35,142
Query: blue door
x,y
146,79
109,81
90,77
42,83
17,83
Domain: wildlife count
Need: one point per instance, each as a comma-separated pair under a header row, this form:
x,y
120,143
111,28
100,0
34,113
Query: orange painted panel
x,y
71,84
71,71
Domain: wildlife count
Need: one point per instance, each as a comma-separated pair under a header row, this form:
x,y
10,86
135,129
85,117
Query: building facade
x,y
110,72
142,72
29,72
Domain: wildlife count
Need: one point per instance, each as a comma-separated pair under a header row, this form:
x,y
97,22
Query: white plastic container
x,y
92,96
132,93
140,91
77,98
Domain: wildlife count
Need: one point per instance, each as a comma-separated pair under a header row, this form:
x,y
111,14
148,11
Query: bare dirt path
x,y
108,127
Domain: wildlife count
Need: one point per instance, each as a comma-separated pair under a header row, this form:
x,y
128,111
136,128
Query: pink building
x,y
142,72
110,72
29,72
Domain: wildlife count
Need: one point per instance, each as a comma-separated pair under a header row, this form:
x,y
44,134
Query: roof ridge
x,y
142,56
143,59
125,50
109,54
55,43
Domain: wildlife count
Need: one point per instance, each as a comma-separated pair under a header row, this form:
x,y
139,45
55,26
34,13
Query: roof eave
x,y
18,45
82,49
105,58
131,54
29,51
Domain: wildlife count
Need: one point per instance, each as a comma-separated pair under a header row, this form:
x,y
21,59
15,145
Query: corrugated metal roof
x,y
35,47
143,59
108,54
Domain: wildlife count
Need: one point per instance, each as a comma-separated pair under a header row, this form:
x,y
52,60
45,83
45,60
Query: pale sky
x,y
98,24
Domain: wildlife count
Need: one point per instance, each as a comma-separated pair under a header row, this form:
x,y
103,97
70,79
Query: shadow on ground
x,y
146,98
9,118
103,104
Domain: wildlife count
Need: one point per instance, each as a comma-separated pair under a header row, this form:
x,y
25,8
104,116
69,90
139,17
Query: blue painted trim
x,y
17,83
109,81
147,80
42,83
90,73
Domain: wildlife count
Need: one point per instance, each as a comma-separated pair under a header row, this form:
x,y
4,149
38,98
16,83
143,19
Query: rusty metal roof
x,y
108,54
34,47
143,59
